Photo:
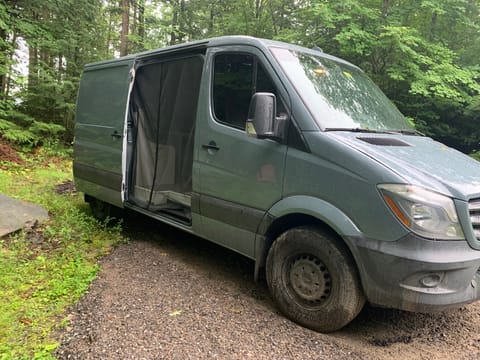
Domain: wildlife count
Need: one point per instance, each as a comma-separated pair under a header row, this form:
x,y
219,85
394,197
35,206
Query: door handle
x,y
116,134
211,146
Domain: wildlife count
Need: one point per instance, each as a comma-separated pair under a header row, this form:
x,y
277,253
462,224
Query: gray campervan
x,y
293,158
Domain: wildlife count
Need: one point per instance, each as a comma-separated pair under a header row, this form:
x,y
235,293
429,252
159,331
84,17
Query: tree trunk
x,y
211,18
257,15
257,9
32,66
173,37
273,14
133,27
4,65
433,25
141,22
385,7
109,34
125,26
9,60
182,21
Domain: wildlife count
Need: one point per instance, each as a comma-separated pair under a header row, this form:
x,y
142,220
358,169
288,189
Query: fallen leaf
x,y
25,321
175,313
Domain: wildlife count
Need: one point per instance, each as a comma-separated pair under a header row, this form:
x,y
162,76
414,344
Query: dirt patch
x,y
406,339
8,153
168,295
67,187
37,241
33,233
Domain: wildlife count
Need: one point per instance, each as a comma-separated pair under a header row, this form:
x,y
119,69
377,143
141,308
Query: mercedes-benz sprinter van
x,y
293,158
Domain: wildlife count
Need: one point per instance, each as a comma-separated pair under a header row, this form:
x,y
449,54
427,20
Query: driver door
x,y
240,177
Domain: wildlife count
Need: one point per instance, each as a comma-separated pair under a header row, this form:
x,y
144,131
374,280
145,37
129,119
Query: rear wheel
x,y
313,280
102,210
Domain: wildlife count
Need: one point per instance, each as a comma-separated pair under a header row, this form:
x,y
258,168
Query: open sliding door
x,y
160,130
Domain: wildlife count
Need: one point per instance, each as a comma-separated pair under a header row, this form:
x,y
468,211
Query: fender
x,y
301,205
320,209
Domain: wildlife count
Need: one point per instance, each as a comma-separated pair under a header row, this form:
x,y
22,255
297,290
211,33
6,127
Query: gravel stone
x,y
170,295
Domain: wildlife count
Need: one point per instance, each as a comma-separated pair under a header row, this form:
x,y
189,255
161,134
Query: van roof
x,y
217,41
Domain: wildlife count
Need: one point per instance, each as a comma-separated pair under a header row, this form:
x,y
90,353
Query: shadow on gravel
x,y
192,249
378,326
384,327
171,295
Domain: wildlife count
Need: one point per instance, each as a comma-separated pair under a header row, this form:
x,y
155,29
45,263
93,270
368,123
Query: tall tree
x,y
58,46
423,53
417,51
8,39
125,27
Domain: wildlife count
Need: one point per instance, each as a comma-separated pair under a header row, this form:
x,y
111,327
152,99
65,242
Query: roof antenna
x,y
317,48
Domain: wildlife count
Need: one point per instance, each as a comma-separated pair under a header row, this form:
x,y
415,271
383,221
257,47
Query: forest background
x,y
424,54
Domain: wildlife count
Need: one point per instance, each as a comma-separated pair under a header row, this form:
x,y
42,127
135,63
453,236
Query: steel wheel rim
x,y
309,280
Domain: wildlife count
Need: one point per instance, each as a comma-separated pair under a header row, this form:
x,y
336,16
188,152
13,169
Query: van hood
x,y
420,161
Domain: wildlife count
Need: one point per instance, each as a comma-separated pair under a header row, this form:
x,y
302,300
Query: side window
x,y
236,78
264,84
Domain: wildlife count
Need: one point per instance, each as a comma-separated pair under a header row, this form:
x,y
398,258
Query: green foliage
x,y
473,109
411,49
34,134
44,129
16,134
45,270
476,155
422,53
58,47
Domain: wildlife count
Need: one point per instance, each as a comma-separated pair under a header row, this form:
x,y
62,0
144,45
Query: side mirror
x,y
261,115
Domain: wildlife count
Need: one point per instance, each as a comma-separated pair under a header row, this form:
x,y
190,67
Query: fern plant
x,y
23,130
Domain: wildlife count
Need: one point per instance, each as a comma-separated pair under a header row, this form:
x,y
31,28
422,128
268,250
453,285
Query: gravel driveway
x,y
168,295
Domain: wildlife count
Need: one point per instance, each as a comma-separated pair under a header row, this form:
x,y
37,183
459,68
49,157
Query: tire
x,y
313,280
100,209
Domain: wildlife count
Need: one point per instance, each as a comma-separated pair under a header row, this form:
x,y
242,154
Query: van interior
x,y
160,135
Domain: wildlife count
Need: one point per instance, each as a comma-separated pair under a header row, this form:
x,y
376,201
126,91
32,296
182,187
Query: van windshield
x,y
339,96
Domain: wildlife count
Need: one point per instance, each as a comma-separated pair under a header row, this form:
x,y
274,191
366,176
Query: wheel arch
x,y
298,211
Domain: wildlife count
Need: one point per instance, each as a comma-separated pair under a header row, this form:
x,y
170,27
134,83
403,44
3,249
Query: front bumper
x,y
417,274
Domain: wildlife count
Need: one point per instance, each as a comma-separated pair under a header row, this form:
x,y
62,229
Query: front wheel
x,y
313,280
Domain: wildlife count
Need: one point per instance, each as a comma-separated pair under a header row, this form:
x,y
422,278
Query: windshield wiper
x,y
359,130
372,131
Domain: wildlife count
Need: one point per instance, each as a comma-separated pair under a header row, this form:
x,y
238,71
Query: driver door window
x,y
236,78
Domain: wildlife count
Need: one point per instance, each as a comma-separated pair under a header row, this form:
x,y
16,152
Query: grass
x,y
45,270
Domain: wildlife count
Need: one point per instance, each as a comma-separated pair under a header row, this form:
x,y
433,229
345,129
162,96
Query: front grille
x,y
474,209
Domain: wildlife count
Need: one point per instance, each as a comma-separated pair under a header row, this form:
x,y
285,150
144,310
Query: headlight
x,y
425,212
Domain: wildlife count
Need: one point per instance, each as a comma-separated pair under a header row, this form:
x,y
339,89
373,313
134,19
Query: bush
x,y
16,134
23,130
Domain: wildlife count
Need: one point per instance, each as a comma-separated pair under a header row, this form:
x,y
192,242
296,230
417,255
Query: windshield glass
x,y
339,96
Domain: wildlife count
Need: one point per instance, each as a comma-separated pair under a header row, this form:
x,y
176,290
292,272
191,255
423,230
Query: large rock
x,y
14,214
